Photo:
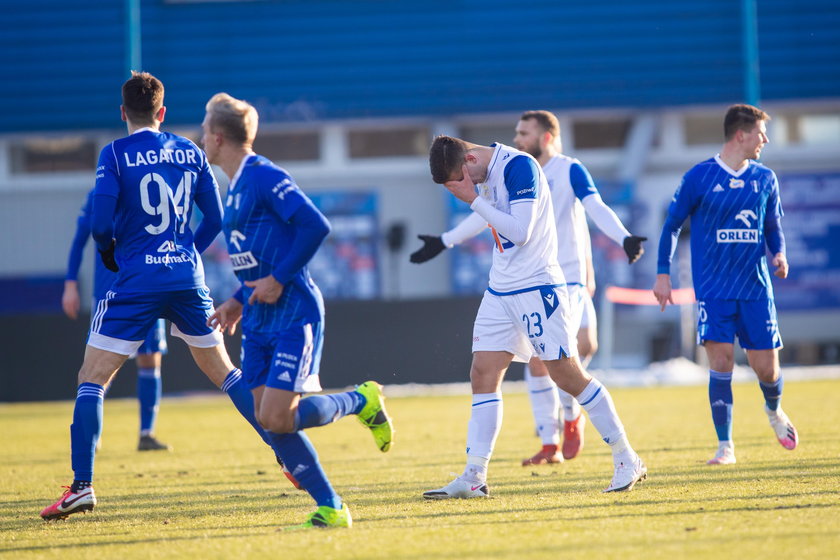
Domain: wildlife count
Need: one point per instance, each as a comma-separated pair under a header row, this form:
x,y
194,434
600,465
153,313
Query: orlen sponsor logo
x,y
242,261
737,236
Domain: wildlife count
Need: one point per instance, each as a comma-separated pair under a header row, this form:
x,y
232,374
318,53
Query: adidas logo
x,y
299,469
284,376
719,402
717,188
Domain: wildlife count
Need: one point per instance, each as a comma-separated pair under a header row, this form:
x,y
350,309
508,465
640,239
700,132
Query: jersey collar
x,y
146,129
729,169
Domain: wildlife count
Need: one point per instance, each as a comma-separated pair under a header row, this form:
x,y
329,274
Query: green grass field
x,y
220,495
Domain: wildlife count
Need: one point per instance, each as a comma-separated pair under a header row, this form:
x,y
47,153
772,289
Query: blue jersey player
x,y
148,356
147,185
736,216
273,230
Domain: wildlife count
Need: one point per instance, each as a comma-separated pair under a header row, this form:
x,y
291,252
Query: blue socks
x,y
85,429
300,458
318,410
772,393
720,399
149,389
243,400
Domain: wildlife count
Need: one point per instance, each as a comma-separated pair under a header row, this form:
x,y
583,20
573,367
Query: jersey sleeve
x,y
107,173
682,205
522,179
74,260
773,233
205,181
281,196
581,180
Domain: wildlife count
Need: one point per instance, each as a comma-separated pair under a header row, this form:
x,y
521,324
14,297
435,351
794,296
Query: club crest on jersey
x,y
550,300
243,261
736,183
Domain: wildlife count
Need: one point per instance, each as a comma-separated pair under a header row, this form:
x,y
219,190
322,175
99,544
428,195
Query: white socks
x,y
544,404
571,407
599,405
482,431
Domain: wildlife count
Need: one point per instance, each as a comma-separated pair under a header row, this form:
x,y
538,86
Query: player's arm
x,y
70,300
773,234
210,204
105,195
433,245
603,216
590,268
682,204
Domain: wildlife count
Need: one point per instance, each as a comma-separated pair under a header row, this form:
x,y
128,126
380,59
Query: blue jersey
x,y
155,178
266,225
734,214
102,277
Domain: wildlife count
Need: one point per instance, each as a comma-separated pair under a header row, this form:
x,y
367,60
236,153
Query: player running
x,y
735,213
525,310
273,231
147,185
149,354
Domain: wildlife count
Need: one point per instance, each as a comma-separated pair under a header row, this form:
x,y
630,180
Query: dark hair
x,y
142,96
446,156
547,121
742,117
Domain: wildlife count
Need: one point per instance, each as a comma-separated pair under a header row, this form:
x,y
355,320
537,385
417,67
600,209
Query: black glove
x,y
108,257
633,247
432,247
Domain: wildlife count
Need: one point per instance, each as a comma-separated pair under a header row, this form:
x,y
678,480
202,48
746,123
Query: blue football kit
x,y
103,278
735,219
272,228
147,185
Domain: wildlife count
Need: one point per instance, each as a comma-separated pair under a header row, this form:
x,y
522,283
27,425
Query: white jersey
x,y
569,218
534,263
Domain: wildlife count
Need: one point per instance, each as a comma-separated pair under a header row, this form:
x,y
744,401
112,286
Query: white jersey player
x,y
525,310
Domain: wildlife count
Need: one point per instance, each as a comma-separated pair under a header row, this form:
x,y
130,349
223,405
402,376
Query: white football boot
x,y
627,475
725,456
459,488
781,424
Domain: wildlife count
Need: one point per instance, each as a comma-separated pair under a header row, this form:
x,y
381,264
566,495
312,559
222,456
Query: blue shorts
x,y
155,340
122,321
288,359
752,321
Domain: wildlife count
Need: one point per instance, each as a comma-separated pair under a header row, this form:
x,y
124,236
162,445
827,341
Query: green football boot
x,y
373,415
326,517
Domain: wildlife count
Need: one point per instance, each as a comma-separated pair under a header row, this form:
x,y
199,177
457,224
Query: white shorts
x,y
588,320
530,323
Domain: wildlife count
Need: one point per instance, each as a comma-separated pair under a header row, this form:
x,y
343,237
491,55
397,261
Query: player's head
x,y
536,131
228,120
142,99
746,127
448,155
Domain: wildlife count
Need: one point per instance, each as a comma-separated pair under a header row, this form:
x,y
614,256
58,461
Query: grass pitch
x,y
219,494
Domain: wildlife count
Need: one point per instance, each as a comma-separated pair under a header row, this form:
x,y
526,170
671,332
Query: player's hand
x,y
463,189
70,299
432,247
266,290
781,264
226,316
108,257
662,290
633,247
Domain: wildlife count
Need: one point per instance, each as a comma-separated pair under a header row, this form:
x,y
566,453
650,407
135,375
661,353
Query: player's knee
x,y
279,422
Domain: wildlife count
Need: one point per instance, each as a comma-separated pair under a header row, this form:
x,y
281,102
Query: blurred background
x,y
350,95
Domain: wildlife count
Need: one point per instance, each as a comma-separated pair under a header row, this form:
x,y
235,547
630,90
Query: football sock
x,y
300,458
85,429
243,400
571,408
772,392
544,404
149,389
598,403
483,428
79,485
720,400
317,410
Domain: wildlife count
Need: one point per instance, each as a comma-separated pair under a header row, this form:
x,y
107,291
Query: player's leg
x,y
716,332
486,374
545,405
150,387
597,401
759,335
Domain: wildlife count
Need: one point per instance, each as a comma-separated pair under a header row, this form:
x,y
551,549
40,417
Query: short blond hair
x,y
233,118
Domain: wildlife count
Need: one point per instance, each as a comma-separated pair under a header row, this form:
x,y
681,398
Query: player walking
x,y
735,213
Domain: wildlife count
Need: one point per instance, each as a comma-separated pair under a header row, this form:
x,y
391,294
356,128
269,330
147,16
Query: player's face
x,y
755,140
207,140
528,136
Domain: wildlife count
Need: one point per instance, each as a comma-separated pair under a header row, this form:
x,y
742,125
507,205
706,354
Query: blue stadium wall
x,y
313,60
